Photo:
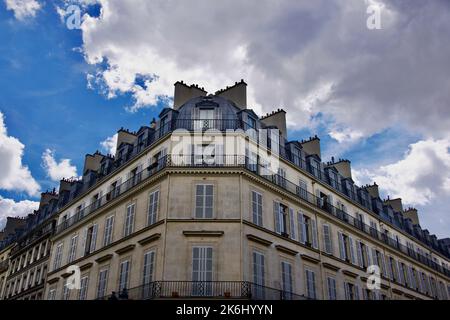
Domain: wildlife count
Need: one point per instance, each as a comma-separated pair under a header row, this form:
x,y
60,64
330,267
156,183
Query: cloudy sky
x,y
379,97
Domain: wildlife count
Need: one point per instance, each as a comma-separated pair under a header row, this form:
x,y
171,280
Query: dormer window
x,y
205,119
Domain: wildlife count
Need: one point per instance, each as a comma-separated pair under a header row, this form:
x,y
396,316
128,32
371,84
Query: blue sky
x,y
69,90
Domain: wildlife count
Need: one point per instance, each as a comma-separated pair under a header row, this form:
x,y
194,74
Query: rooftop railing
x,y
262,171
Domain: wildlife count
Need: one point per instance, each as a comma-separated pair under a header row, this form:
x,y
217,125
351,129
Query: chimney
x,y
412,214
344,168
236,93
373,190
46,197
278,119
124,136
311,146
396,204
184,93
92,162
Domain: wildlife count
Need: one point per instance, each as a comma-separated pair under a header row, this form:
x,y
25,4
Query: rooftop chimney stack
x,y
396,204
46,197
344,168
236,93
92,162
278,119
312,146
412,214
184,93
373,190
124,136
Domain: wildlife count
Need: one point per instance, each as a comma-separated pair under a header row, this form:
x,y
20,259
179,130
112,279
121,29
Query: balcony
x,y
205,290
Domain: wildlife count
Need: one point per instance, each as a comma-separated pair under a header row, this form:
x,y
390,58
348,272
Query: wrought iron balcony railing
x,y
204,290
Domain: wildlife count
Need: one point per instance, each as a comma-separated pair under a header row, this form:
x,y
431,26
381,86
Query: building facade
x,y
30,252
211,200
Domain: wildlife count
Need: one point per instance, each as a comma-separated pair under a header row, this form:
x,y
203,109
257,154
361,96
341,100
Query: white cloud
x,y
110,144
57,170
14,176
10,208
23,8
421,178
311,57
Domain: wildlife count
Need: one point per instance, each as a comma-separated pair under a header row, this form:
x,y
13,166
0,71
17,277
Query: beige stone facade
x,y
313,269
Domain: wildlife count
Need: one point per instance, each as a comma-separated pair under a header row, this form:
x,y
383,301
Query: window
x,y
378,259
258,274
124,274
161,158
280,212
351,291
109,227
303,189
202,270
58,256
102,283
129,220
346,249
204,201
310,284
149,269
307,230
281,177
206,119
362,254
153,207
66,291
73,249
286,280
149,266
52,294
83,288
373,229
332,292
257,208
90,239
251,130
327,242
393,269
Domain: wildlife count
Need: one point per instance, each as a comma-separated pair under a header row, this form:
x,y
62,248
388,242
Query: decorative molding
x,y
350,274
259,240
202,233
149,239
53,280
330,266
86,266
396,291
125,249
286,250
309,258
104,258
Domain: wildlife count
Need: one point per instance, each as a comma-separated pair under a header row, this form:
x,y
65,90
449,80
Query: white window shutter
x,y
356,287
94,238
369,260
383,265
341,246
301,227
83,243
276,214
314,234
352,250
359,253
327,244
292,223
